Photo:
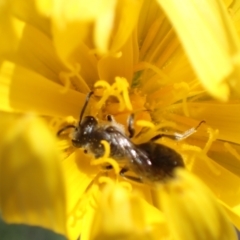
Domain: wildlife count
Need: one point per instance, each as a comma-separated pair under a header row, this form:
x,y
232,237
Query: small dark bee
x,y
150,161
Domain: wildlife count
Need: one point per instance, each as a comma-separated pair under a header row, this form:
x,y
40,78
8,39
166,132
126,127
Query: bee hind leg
x,y
132,178
130,122
179,136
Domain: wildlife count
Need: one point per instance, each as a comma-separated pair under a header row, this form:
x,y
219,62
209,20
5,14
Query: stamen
x,y
127,100
93,201
184,88
191,152
126,185
146,65
213,134
108,181
144,123
64,77
106,148
73,78
82,204
102,83
78,212
105,180
106,159
194,151
119,89
212,137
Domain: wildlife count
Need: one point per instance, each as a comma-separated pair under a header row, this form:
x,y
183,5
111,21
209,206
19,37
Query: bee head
x,y
82,133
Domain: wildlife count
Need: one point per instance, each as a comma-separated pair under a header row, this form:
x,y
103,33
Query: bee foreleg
x,y
110,118
108,167
132,178
131,129
65,128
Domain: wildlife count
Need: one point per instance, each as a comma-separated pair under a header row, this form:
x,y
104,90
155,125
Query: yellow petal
x,y
192,212
219,116
223,117
28,12
233,213
87,62
78,177
227,155
64,11
72,21
32,190
210,42
124,216
72,34
223,183
122,66
10,29
233,9
24,90
126,20
104,26
36,52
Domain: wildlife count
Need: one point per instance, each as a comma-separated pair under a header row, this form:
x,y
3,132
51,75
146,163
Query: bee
x,y
149,161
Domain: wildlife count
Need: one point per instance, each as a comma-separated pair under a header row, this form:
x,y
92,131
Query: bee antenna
x,y
85,105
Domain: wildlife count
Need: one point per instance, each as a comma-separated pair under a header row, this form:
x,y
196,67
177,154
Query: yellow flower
x,y
190,212
180,61
187,200
31,177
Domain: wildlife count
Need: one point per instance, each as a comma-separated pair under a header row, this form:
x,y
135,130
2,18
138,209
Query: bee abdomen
x,y
163,160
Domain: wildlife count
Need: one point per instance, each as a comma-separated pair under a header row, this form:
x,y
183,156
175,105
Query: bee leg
x,y
179,136
131,129
132,178
108,167
110,118
63,129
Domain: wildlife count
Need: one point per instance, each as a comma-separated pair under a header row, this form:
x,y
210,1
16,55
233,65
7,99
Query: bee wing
x,y
123,148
